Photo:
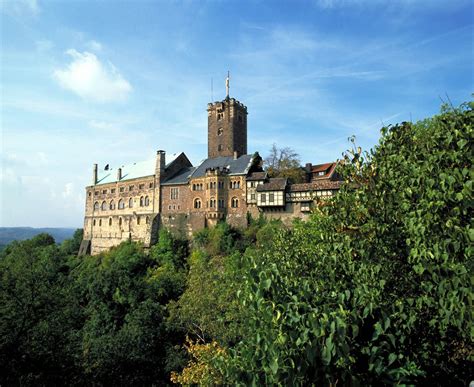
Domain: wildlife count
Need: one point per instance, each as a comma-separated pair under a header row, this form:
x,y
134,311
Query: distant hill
x,y
9,234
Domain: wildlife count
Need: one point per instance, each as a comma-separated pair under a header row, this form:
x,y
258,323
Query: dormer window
x,y
322,173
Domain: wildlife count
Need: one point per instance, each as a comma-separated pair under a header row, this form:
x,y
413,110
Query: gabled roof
x,y
133,171
239,166
327,168
273,184
257,176
182,177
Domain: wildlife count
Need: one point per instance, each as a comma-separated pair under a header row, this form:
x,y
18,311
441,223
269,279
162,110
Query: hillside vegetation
x,y
375,288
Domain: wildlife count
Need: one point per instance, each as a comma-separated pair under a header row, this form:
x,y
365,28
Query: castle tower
x,y
226,127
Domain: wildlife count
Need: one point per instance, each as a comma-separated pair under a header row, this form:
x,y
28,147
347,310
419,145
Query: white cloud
x,y
89,78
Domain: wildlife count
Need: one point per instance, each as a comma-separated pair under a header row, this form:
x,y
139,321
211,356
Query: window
x,y
147,220
100,222
112,205
130,203
141,186
221,203
174,193
219,116
96,205
235,203
219,147
112,190
220,131
142,201
150,185
138,219
120,221
110,221
271,197
197,203
131,188
96,193
252,196
264,198
94,222
89,194
122,189
212,203
121,204
104,191
321,173
147,201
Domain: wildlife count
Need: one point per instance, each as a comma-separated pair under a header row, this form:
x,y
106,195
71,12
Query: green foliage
x,y
37,315
71,246
376,287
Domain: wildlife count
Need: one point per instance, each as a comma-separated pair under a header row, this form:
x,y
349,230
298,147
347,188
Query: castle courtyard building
x,y
134,201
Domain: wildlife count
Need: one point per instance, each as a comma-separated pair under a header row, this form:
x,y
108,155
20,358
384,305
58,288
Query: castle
x,y
132,202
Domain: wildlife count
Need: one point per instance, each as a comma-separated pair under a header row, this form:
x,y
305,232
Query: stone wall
x,y
107,225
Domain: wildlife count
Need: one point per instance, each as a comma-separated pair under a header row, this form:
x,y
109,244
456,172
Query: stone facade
x,y
132,202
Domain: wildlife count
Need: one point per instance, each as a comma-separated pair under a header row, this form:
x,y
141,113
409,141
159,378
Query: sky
x,y
111,82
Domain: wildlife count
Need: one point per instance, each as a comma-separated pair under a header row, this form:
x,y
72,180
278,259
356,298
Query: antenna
x,y
227,81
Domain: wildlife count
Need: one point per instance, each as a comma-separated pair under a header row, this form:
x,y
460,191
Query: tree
x,y
284,162
377,286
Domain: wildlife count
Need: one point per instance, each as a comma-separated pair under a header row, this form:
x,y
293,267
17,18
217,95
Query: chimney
x,y
236,155
94,175
308,167
119,174
160,164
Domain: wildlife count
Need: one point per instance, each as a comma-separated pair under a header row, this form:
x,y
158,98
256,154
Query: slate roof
x,y
274,184
182,177
239,166
132,171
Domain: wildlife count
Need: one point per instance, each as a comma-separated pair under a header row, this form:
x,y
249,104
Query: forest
x,y
374,289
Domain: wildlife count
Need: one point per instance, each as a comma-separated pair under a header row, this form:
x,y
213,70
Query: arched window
x,y
112,205
138,219
94,222
235,203
130,203
121,204
238,184
120,221
110,221
147,201
212,203
96,205
147,220
103,207
197,203
141,201
100,222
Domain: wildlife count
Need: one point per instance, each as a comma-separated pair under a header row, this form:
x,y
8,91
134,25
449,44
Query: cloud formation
x,y
89,78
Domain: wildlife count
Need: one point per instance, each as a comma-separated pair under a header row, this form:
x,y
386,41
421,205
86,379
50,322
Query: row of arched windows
x,y
213,203
147,221
144,202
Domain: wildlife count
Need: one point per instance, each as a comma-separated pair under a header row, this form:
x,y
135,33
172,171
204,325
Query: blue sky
x,y
112,82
